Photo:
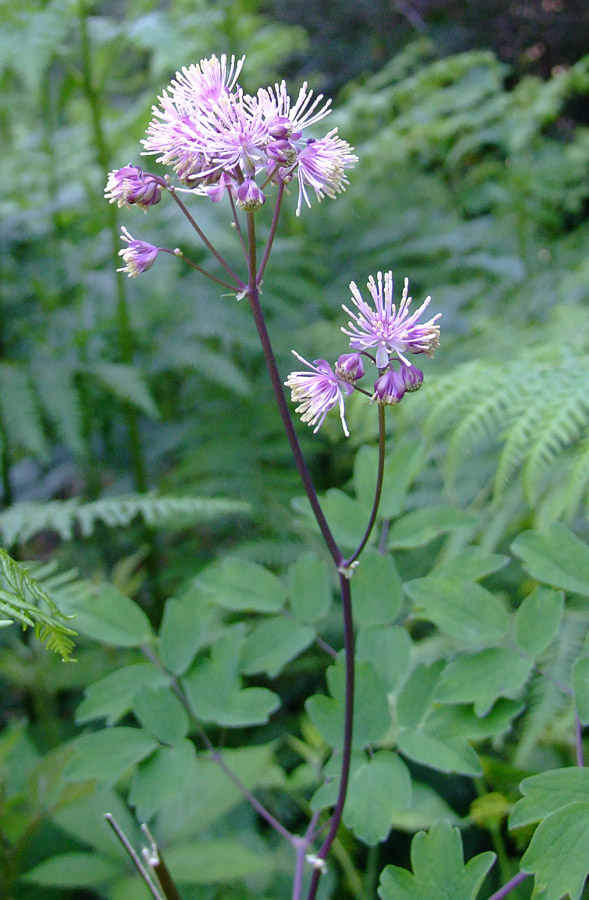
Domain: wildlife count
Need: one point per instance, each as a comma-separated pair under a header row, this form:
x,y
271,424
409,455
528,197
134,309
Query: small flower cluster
x,y
379,327
218,138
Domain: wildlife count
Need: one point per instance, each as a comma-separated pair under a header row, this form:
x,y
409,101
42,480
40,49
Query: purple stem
x,y
579,741
238,226
215,755
261,810
207,243
346,593
378,491
273,227
192,265
302,845
348,726
511,884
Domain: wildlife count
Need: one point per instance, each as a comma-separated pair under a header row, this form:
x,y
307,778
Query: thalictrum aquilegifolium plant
x,y
227,146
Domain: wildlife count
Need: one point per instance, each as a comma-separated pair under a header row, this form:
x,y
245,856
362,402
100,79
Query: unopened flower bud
x,y
389,389
249,196
130,186
349,367
139,256
412,376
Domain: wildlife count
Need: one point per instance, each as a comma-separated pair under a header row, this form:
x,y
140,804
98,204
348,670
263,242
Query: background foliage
x,y
140,447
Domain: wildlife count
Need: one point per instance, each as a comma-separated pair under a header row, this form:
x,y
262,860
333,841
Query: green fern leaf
x,y
126,383
566,421
61,403
23,520
16,605
20,417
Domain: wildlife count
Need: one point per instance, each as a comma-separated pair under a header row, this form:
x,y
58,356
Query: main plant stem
x,y
346,594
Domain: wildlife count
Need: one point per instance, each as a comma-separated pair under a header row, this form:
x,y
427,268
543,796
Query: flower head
x,y
387,329
139,256
321,165
130,186
207,128
317,391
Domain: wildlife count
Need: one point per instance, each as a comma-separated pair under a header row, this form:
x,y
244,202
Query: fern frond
x,y
23,520
61,402
19,414
565,422
533,409
15,603
126,383
578,481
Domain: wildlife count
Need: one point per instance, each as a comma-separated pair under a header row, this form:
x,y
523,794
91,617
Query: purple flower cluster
x,y
217,138
379,327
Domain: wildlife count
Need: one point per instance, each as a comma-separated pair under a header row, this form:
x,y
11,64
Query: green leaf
x,y
557,557
106,755
421,526
558,855
162,775
447,754
462,721
461,609
214,689
471,564
161,714
426,809
438,866
346,517
548,792
242,585
112,696
112,618
73,870
209,792
372,716
309,588
537,619
581,688
186,627
416,694
272,644
378,590
388,649
377,790
481,677
208,862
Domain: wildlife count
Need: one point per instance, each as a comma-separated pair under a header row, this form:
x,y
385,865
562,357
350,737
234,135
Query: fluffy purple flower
x,y
185,129
130,186
321,165
387,329
207,128
390,388
139,256
317,391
